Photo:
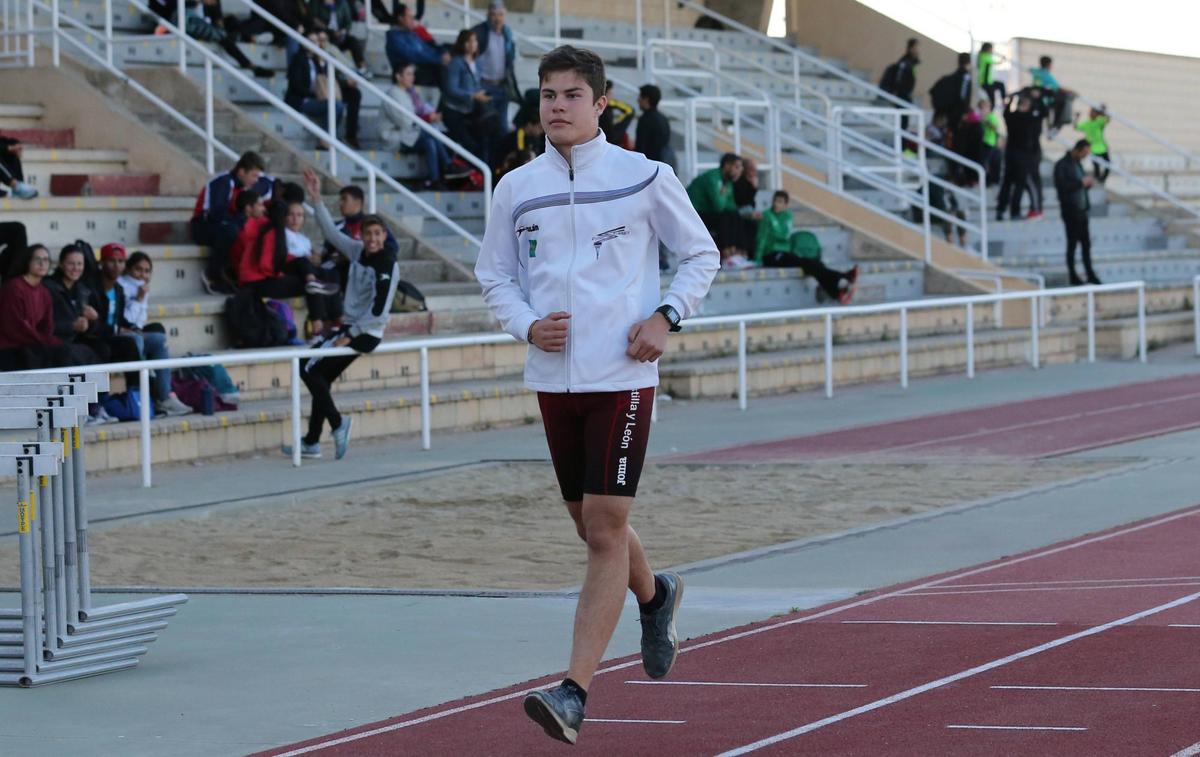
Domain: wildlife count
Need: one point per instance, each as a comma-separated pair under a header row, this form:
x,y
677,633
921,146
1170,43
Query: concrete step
x,y
40,163
16,116
43,137
759,289
1118,337
99,220
103,185
1156,268
779,372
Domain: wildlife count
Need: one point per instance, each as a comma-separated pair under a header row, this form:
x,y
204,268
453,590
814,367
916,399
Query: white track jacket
x,y
585,240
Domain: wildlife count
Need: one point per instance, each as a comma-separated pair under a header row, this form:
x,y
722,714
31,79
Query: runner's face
x,y
570,114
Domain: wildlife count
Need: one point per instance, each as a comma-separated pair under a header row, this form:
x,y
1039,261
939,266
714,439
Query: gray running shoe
x,y
558,711
660,642
341,438
311,451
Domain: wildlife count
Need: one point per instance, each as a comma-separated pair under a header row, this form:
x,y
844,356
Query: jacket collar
x,y
582,155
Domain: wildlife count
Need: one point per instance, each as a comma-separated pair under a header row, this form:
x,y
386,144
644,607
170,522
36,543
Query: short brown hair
x,y
373,220
586,63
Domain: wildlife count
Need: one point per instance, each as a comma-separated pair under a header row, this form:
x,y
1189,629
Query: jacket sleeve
x,y
218,199
345,244
498,268
679,227
458,82
64,316
1065,180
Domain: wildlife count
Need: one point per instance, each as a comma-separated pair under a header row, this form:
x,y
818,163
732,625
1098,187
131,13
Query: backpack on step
x,y
253,324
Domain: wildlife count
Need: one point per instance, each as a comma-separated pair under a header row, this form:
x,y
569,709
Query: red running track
x,y
1032,428
1089,647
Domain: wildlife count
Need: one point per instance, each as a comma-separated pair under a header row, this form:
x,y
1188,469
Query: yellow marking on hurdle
x,y
22,517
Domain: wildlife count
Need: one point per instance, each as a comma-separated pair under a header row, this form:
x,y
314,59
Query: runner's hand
x,y
549,334
648,339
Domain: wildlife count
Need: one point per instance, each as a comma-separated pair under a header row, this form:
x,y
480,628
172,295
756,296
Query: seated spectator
x,y
108,298
401,131
1093,128
745,189
215,223
528,137
309,90
405,44
653,130
466,106
12,176
27,339
778,246
294,14
336,16
351,203
348,93
616,118
13,241
247,206
1057,99
277,262
204,22
73,315
711,194
497,58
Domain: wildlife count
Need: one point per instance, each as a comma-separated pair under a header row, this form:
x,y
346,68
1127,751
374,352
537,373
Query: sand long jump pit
x,y
503,525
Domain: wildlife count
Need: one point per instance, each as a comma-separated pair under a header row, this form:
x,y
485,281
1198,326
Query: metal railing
x,y
424,345
693,108
58,34
997,278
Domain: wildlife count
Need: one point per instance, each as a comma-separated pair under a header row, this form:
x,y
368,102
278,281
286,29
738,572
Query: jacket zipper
x,y
571,270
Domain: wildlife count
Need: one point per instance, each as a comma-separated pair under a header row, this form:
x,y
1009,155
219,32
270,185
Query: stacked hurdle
x,y
58,634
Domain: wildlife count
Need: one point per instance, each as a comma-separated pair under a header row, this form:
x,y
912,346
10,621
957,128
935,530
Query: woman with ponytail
x,y
277,261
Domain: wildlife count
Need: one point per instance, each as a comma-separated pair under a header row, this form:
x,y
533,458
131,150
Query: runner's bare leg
x,y
641,576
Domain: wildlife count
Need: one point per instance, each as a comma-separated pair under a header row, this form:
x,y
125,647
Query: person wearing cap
x,y
108,299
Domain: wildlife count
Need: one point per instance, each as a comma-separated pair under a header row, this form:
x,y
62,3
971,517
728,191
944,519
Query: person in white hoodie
x,y
569,264
151,342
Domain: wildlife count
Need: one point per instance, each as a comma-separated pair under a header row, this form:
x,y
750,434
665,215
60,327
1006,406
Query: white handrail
x,y
424,344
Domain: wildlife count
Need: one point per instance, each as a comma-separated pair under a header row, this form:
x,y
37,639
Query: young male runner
x,y
570,265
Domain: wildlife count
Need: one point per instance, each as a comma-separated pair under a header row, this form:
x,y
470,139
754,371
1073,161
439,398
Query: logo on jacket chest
x,y
607,236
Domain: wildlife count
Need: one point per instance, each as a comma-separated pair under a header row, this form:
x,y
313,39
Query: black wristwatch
x,y
672,316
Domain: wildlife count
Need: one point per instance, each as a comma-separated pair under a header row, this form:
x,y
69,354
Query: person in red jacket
x,y
27,337
277,261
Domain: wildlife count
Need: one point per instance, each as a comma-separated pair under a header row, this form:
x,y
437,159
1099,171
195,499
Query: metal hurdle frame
x,y
79,639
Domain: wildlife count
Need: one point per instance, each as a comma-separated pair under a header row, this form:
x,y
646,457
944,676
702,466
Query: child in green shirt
x,y
989,119
986,69
779,247
1093,128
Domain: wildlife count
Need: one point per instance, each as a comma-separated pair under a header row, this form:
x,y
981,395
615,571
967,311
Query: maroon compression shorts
x,y
597,440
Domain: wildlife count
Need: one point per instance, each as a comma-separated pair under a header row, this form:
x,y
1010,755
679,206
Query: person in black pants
x,y
1022,158
1072,182
653,130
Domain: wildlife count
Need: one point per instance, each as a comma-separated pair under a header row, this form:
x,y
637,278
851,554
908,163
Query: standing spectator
x,y
986,70
778,246
401,132
215,223
27,339
336,16
199,26
711,194
497,58
466,105
12,175
1093,128
615,119
653,129
151,345
404,44
989,120
1072,182
1057,99
1022,158
277,262
370,289
951,94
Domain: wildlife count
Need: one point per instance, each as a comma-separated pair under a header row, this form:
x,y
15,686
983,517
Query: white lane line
x,y
1098,688
391,727
1131,586
931,685
1184,625
1071,581
1190,751
946,622
764,685
638,722
1019,727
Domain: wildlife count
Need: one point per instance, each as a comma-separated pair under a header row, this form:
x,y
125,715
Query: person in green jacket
x,y
986,69
711,194
1093,128
779,246
989,119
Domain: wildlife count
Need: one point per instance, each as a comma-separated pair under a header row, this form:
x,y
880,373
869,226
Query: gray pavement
x,y
237,673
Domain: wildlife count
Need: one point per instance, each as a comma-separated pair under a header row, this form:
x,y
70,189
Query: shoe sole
x,y
349,430
541,713
674,634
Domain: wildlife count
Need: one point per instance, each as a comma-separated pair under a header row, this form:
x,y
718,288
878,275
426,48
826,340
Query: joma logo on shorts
x,y
621,465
